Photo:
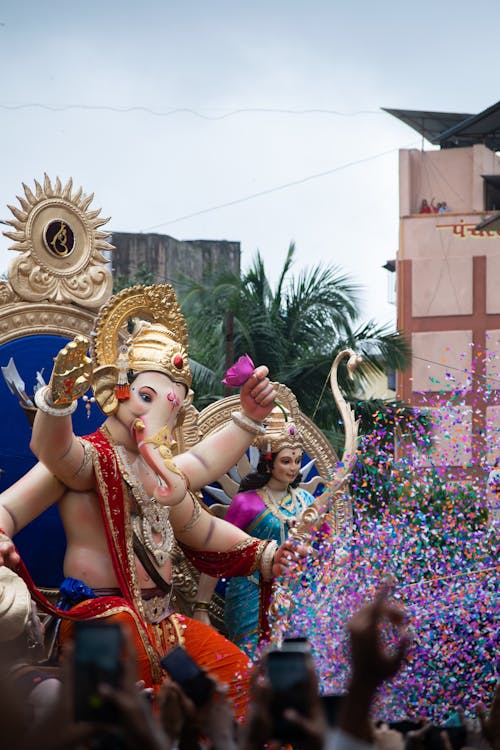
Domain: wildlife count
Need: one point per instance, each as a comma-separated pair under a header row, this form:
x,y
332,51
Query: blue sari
x,y
249,512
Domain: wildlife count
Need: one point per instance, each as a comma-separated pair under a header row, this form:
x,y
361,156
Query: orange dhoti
x,y
218,656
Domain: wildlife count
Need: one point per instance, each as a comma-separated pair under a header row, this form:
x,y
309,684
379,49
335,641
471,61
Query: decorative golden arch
x,y
61,275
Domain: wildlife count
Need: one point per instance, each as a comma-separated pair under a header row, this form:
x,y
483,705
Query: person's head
x,y
280,451
424,202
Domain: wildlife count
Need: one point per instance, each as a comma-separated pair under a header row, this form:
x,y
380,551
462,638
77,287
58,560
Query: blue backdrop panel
x,y
42,543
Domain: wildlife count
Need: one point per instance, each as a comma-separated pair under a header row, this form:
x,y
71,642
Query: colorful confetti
x,y
419,523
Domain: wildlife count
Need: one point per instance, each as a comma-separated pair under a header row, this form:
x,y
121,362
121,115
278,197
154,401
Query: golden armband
x,y
266,559
195,515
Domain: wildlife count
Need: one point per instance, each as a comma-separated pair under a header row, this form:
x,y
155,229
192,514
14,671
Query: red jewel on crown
x,y
178,362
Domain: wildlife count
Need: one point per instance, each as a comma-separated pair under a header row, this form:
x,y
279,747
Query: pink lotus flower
x,y
239,372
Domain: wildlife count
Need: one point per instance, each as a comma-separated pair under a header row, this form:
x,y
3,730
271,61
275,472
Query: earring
x,y
268,455
88,404
122,388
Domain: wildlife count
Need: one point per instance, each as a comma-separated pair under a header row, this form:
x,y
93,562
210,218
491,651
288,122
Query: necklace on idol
x,y
152,517
275,506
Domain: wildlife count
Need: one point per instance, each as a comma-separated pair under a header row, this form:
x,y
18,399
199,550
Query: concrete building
x,y
448,284
167,259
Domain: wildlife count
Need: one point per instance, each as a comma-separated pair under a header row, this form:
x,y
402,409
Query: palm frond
x,y
297,329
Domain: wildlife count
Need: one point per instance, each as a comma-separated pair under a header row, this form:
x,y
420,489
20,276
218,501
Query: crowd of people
x,y
434,208
174,722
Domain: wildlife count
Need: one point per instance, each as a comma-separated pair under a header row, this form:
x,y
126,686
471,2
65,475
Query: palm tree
x,y
296,329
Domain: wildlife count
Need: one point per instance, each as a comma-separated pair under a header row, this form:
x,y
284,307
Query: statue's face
x,y
286,465
155,397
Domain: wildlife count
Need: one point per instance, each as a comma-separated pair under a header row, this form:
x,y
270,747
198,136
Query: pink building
x,y
448,284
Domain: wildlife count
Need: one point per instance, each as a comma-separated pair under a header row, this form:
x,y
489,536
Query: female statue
x,y
268,503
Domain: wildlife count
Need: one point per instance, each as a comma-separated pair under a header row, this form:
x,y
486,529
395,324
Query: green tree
x,y
295,328
142,276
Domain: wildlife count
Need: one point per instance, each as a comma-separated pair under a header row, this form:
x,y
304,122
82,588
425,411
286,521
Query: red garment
x,y
236,562
207,647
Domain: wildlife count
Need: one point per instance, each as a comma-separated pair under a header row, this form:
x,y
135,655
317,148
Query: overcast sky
x,y
228,100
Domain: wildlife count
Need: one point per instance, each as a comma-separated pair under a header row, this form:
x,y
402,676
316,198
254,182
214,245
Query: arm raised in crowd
x,y
371,663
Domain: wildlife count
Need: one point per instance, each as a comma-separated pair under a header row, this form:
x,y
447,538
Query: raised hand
x,y
259,724
490,723
371,662
175,711
288,556
139,726
388,739
72,372
218,722
257,395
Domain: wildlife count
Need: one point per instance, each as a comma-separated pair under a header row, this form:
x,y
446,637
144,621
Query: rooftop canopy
x,y
453,130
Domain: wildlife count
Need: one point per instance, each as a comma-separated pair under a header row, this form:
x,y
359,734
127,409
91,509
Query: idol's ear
x,y
188,400
104,384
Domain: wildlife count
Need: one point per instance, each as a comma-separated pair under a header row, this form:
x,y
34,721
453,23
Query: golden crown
x,y
153,347
280,432
159,341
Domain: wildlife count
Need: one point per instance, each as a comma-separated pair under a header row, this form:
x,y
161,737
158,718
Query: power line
x,y
189,110
197,113
276,189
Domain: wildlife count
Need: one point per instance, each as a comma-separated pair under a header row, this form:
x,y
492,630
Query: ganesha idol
x,y
124,496
128,493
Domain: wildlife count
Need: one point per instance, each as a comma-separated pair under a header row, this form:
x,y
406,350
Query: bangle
x,y
195,515
204,606
267,559
43,403
247,424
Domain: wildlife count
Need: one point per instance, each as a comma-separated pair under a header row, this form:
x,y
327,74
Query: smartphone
x,y
296,643
183,670
456,735
332,704
289,677
405,725
97,659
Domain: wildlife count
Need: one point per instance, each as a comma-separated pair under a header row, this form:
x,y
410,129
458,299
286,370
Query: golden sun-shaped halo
x,y
61,246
